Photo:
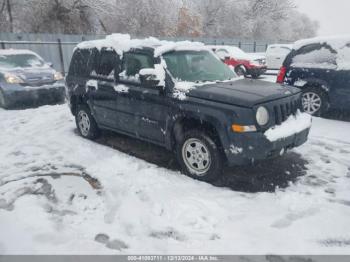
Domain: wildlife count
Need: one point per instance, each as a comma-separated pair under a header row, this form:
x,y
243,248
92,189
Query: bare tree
x,y
256,19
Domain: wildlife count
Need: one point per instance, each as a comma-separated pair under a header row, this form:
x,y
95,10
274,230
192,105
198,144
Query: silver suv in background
x,y
26,79
275,55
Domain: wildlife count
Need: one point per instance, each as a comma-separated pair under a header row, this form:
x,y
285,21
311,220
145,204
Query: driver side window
x,y
132,64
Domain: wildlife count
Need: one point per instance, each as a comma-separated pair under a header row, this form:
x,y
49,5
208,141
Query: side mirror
x,y
150,78
50,64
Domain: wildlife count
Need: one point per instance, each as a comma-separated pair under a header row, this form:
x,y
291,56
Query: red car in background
x,y
243,63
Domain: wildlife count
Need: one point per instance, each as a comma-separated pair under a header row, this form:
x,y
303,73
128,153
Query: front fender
x,y
220,119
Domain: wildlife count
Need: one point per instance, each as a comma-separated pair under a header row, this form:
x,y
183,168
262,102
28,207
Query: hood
x,y
245,92
33,76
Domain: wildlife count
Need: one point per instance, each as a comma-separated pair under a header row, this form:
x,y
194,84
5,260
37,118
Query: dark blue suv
x,y
182,97
320,67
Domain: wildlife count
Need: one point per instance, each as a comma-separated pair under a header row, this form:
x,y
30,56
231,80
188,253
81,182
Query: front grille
x,y
284,110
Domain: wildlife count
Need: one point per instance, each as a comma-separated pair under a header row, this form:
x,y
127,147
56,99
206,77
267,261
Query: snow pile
x,y
293,125
179,46
341,44
119,42
181,88
158,71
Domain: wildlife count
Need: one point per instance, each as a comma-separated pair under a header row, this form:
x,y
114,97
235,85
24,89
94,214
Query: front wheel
x,y
241,70
86,123
199,156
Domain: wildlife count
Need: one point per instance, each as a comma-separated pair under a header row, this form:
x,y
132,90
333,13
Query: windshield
x,y
20,60
197,66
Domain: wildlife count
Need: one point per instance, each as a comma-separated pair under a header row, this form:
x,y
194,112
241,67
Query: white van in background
x,y
275,55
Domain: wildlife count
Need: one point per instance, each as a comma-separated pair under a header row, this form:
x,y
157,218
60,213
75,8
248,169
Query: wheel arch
x,y
76,100
206,124
322,85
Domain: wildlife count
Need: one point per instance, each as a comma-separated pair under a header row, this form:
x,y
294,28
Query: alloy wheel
x,y
312,102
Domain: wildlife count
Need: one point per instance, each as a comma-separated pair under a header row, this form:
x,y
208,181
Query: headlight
x,y
262,116
57,76
13,79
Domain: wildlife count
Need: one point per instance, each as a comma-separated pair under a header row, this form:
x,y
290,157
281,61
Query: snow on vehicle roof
x,y
335,42
123,43
16,52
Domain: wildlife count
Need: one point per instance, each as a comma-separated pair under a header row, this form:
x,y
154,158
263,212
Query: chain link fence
x,y
58,48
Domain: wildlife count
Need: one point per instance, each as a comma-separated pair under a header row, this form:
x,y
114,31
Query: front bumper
x,y
246,148
17,95
258,70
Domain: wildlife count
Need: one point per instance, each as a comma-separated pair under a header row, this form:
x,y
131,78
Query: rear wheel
x,y
314,101
86,123
199,156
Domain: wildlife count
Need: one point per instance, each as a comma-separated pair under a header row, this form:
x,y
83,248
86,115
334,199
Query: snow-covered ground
x,y
62,194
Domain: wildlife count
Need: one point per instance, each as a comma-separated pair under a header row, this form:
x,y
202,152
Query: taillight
x,y
281,75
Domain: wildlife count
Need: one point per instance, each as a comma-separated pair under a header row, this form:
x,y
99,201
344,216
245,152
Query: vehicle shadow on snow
x,y
266,176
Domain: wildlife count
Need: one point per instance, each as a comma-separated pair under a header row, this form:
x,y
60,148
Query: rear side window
x,y
315,56
82,62
106,64
132,64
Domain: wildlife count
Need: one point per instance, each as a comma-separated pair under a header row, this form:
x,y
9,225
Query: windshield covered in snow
x,y
197,66
20,60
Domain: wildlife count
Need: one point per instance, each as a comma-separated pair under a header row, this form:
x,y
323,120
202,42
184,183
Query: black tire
x,y
3,102
215,167
317,92
255,76
241,70
90,131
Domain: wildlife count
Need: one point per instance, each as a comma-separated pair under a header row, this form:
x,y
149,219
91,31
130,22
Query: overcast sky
x,y
333,15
